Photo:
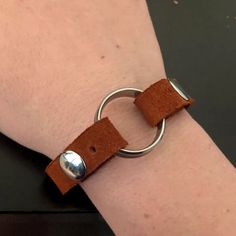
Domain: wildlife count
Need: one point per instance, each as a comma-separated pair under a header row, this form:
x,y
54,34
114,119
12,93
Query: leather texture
x,y
95,145
159,101
101,141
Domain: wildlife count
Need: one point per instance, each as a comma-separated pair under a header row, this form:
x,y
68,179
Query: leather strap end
x,y
105,141
159,101
57,175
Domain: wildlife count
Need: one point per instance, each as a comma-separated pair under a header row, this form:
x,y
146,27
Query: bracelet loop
x,y
130,92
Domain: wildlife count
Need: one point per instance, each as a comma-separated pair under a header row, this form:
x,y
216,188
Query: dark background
x,y
197,39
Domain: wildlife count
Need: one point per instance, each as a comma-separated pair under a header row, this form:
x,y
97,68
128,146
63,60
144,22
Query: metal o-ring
x,y
129,92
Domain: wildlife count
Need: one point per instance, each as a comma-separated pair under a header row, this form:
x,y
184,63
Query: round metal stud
x,y
72,164
130,92
177,87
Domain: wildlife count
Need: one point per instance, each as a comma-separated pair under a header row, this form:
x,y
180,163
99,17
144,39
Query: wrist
x,y
160,101
77,109
78,114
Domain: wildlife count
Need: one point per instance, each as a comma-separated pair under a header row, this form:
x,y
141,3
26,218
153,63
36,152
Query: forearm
x,y
61,58
184,187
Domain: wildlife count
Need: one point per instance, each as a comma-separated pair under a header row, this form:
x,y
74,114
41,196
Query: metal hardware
x,y
72,164
130,92
177,87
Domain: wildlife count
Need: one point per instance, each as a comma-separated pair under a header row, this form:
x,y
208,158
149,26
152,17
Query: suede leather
x,y
95,145
159,101
101,141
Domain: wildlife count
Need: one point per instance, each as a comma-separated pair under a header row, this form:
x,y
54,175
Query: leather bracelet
x,y
102,140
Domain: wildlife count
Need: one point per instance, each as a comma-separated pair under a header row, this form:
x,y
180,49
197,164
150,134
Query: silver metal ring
x,y
129,92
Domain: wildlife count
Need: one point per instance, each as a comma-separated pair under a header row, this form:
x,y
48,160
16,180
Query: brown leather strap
x,y
101,141
159,101
95,145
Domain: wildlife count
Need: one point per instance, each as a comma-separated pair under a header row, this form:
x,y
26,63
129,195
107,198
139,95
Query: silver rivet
x,y
179,89
72,164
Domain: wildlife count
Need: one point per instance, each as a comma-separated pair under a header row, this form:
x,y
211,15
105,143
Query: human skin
x,y
58,60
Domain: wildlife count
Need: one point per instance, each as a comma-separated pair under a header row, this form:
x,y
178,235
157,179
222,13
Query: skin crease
x,y
58,60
